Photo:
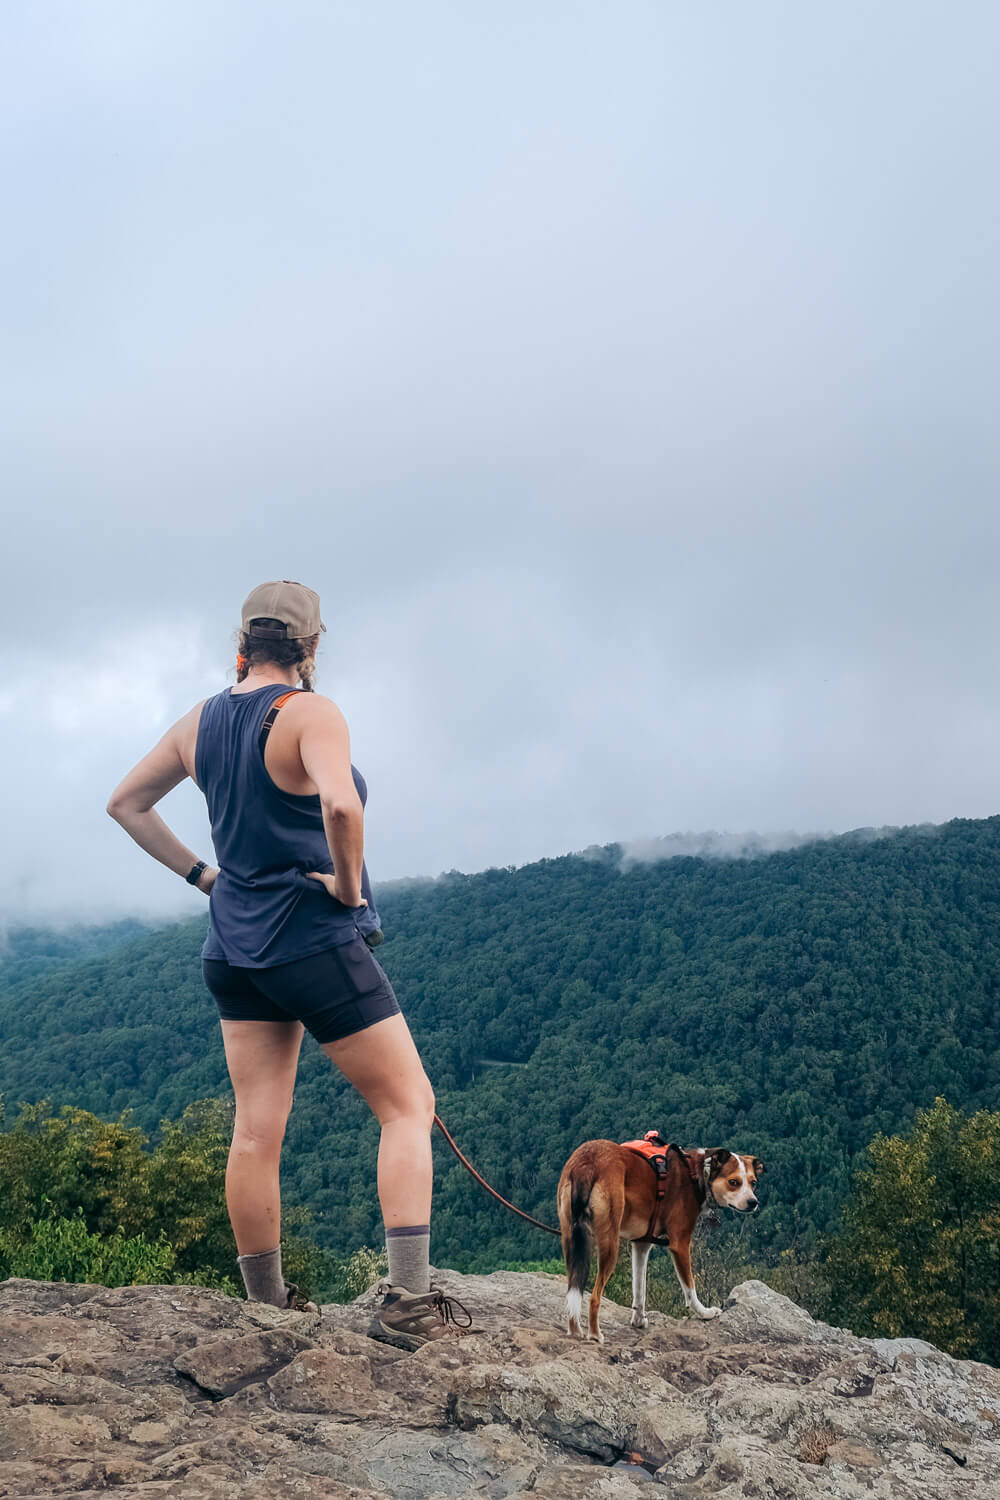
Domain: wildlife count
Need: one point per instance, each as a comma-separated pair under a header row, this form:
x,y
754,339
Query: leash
x,y
649,1237
492,1191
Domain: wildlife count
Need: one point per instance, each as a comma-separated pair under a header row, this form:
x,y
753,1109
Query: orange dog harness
x,y
654,1149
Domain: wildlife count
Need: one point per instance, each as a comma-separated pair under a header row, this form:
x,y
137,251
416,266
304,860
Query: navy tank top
x,y
262,909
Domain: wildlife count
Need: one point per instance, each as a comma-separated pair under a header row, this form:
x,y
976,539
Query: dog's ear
x,y
715,1160
758,1166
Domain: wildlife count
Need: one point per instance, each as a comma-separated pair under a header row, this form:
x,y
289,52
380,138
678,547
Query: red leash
x,y
483,1183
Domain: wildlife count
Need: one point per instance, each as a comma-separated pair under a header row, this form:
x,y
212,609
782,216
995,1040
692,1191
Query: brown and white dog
x,y
608,1192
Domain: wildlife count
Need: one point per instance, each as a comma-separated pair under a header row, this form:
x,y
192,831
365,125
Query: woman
x,y
290,909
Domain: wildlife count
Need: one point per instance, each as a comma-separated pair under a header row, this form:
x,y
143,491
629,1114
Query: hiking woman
x,y
292,922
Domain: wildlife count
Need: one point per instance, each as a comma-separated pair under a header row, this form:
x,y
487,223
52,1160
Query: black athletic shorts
x,y
333,993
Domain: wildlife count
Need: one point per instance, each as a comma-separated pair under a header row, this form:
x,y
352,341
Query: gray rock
x,y
890,1349
223,1366
179,1392
754,1311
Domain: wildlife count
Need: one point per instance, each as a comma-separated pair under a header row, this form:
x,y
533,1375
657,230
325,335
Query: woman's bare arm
x,y
132,802
325,750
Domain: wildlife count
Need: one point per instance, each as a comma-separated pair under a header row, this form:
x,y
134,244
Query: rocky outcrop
x,y
181,1392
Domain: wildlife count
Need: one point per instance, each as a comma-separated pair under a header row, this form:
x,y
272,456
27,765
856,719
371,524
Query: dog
x,y
609,1192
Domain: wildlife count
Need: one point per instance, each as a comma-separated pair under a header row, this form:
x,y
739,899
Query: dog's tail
x,y
577,1238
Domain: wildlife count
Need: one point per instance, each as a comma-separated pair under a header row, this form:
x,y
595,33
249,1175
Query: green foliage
x,y
794,1005
70,1161
27,951
183,1185
348,1278
87,1195
919,1255
58,1248
77,1163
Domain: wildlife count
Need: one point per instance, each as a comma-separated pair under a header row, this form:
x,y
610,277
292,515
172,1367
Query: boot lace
x,y
446,1307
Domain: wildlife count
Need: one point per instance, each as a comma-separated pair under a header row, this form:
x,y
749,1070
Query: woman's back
x,y
284,955
262,909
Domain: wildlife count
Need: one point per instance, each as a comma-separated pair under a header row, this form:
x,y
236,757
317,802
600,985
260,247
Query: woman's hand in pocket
x,y
332,887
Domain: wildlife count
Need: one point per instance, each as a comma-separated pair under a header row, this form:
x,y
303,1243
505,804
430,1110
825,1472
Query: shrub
x,y
61,1248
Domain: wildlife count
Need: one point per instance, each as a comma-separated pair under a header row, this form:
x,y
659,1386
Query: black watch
x,y
195,873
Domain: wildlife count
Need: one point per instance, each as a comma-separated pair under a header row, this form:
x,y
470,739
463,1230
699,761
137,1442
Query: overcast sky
x,y
623,377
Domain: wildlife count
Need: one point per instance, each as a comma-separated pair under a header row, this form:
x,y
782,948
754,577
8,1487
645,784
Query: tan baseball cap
x,y
292,603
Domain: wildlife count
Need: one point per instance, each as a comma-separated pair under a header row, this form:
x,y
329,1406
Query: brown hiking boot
x,y
410,1319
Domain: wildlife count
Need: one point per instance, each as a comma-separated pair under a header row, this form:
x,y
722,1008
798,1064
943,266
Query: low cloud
x,y
712,845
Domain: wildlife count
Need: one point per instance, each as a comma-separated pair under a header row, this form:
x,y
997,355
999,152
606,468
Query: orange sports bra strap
x,y
272,714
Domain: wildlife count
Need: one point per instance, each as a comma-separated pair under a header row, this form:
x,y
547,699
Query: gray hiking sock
x,y
409,1251
262,1277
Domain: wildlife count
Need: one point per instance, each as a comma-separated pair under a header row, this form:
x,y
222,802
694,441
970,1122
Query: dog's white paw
x,y
639,1319
574,1311
707,1312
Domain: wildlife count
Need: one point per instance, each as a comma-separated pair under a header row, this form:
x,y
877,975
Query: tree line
x,y
797,1005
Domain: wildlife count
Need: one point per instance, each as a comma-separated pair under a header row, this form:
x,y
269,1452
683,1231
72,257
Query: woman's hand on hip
x,y
335,888
207,879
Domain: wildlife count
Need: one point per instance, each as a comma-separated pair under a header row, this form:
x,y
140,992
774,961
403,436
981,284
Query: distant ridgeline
x,y
26,951
792,1004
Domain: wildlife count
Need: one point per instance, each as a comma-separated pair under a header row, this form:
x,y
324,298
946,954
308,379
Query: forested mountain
x,y
25,951
792,1005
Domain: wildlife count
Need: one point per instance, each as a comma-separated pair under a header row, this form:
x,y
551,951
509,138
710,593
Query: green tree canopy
x,y
919,1255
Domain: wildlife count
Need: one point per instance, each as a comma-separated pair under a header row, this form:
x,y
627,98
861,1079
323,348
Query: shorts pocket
x,y
361,973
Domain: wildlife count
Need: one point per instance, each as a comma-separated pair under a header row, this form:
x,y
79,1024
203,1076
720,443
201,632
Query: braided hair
x,y
255,651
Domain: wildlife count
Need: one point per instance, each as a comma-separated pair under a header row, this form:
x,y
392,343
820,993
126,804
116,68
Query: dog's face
x,y
733,1179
